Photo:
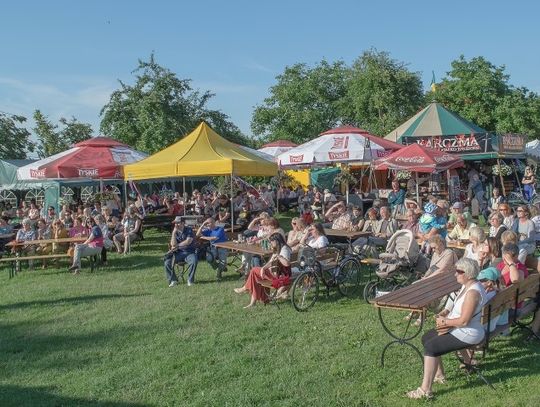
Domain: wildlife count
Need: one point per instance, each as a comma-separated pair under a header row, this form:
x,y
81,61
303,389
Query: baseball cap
x,y
490,273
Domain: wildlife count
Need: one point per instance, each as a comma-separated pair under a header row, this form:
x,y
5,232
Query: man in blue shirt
x,y
217,257
182,250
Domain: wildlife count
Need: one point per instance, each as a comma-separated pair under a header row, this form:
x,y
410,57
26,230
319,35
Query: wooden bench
x,y
14,260
506,300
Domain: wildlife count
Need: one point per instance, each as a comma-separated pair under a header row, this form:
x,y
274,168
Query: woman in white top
x,y
526,233
296,233
477,237
462,317
315,238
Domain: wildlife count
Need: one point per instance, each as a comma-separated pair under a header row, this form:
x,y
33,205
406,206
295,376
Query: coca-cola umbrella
x,y
96,158
417,158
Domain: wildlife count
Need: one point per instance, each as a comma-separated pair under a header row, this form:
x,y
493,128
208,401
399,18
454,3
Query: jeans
x,y
218,256
189,258
528,191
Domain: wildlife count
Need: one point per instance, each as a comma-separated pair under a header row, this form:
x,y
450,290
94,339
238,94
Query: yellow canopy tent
x,y
203,152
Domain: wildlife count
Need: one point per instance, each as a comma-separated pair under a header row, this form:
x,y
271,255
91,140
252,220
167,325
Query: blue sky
x,y
65,57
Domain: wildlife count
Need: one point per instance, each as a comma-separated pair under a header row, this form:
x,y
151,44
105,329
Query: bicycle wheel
x,y
305,291
348,277
370,291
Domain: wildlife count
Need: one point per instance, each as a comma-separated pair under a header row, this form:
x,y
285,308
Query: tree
x,y
303,103
158,109
52,141
519,112
473,89
14,139
382,92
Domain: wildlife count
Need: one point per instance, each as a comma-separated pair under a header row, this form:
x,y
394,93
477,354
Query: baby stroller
x,y
401,264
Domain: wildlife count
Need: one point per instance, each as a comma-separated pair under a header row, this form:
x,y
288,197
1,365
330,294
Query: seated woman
x,y
443,260
281,254
477,237
26,233
462,318
497,227
526,233
511,269
131,226
296,234
90,247
315,238
59,231
489,254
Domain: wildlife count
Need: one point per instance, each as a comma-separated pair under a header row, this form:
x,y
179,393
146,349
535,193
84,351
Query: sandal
x,y
418,322
419,393
439,379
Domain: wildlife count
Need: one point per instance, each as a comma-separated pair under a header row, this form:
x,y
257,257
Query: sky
x,y
66,57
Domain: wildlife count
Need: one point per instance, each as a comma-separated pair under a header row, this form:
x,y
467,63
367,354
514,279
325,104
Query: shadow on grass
x,y
19,396
69,300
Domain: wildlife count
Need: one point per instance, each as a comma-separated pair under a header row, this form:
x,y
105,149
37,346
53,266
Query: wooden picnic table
x,y
416,297
16,243
7,236
255,248
349,234
457,244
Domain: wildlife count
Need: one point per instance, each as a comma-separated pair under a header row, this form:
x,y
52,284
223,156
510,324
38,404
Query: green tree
x,y
481,92
303,103
158,109
52,140
382,92
15,140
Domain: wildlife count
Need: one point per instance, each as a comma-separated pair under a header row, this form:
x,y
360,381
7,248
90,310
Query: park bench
x,y
524,292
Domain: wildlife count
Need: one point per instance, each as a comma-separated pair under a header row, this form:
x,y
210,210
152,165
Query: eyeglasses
x,y
520,210
460,272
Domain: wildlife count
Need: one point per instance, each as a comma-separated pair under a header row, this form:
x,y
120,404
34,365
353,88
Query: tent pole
x,y
184,193
125,195
450,198
232,205
501,177
418,191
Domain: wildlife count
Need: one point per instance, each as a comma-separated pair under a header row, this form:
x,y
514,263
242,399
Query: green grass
x,y
120,337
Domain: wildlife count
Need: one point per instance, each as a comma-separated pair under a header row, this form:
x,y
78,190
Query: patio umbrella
x,y
338,145
417,158
97,158
278,147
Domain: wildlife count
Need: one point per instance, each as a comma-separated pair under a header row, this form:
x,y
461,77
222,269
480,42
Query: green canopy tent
x,y
8,176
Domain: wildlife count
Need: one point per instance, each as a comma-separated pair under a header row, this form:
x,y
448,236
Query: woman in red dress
x,y
278,277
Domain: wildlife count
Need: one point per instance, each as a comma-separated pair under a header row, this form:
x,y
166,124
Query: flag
x,y
433,84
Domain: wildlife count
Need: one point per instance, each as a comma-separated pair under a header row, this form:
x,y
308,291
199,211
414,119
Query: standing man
x,y
182,249
214,234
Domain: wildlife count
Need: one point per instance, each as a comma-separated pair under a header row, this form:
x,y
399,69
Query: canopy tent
x,y
96,158
203,152
8,170
434,120
338,145
278,147
417,158
258,153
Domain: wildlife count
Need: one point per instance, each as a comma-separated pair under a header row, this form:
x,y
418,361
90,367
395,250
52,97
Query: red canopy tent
x,y
417,158
97,158
386,144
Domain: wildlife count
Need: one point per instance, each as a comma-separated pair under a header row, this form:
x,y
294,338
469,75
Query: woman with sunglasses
x,y
279,276
91,246
529,183
296,234
462,319
508,216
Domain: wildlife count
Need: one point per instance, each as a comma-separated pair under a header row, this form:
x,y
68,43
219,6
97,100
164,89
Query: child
x,y
307,215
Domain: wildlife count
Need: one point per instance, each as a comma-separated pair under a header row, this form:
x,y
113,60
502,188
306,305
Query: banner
x,y
475,143
512,143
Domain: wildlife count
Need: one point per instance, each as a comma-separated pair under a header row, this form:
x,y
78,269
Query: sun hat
x,y
490,273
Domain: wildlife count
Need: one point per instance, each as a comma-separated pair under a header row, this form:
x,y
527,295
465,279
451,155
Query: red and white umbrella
x,y
98,158
276,148
342,144
417,158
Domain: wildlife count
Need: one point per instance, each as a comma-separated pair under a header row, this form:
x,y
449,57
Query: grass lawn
x,y
120,337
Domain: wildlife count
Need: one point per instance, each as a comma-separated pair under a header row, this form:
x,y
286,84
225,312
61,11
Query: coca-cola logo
x,y
37,173
294,159
88,172
338,156
412,160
